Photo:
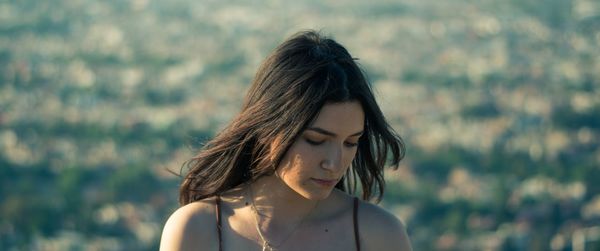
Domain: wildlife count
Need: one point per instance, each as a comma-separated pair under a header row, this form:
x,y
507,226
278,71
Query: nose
x,y
333,159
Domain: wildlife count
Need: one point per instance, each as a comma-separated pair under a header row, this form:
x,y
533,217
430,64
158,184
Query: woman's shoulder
x,y
380,229
191,226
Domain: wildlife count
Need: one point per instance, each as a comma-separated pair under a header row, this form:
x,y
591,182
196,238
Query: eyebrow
x,y
328,133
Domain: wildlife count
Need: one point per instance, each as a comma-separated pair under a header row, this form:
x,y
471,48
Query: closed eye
x,y
350,144
314,143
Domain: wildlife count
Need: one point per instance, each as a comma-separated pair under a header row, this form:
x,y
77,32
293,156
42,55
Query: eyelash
x,y
351,144
316,143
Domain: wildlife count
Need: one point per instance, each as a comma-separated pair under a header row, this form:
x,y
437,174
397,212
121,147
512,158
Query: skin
x,y
299,208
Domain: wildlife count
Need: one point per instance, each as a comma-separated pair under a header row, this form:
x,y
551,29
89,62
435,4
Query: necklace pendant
x,y
267,246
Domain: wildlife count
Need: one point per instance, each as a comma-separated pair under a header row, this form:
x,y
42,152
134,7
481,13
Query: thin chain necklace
x,y
267,245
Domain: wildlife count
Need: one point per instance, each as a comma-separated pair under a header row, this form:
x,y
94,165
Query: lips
x,y
325,182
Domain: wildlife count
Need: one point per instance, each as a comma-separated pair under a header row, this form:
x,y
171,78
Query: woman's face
x,y
320,156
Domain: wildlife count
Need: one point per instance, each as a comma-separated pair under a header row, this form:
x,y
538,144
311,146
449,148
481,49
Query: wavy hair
x,y
301,75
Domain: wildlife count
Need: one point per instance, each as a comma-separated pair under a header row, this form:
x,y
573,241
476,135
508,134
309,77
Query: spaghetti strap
x,y
355,220
218,214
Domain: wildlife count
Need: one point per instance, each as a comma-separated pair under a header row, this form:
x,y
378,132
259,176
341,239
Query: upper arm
x,y
191,227
381,230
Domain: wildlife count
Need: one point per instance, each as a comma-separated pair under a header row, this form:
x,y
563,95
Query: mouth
x,y
325,182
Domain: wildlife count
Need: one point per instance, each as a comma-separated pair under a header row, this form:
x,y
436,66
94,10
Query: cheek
x,y
297,161
296,165
293,171
349,157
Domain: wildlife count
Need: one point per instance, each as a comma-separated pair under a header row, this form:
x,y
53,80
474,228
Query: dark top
x,y
354,221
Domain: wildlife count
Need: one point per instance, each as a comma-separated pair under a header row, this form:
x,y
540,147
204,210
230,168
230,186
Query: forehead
x,y
343,118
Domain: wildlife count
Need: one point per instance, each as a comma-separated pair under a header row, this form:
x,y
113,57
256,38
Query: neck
x,y
279,208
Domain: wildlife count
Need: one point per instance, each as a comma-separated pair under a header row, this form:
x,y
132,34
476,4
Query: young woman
x,y
282,174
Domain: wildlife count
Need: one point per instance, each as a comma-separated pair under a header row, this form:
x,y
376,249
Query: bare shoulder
x,y
380,229
191,227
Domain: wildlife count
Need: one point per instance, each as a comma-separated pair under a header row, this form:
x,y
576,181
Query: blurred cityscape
x,y
498,102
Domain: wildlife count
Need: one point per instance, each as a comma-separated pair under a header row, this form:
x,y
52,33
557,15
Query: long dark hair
x,y
301,75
